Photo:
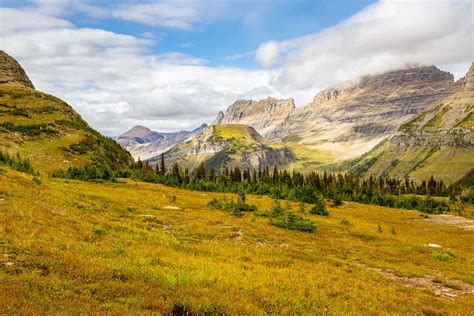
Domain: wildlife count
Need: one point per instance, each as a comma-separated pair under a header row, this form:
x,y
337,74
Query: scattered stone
x,y
452,220
8,263
239,235
2,199
147,215
429,282
169,207
434,246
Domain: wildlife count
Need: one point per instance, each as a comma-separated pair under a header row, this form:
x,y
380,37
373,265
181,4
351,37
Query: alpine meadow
x,y
237,157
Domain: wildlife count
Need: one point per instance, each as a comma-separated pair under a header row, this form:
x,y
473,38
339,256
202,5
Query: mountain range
x,y
144,143
411,123
402,123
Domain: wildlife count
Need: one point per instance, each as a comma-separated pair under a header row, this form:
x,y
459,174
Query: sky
x,y
172,65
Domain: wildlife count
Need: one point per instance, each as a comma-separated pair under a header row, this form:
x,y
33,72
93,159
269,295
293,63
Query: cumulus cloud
x,y
268,54
386,35
115,81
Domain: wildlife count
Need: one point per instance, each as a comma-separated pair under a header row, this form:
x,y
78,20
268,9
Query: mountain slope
x,y
144,143
344,122
438,142
227,145
45,129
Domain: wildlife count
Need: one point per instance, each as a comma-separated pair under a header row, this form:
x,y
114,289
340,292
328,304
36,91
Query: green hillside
x,y
45,129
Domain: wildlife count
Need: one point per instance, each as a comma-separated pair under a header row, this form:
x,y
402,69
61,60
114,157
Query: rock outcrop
x,y
12,72
228,145
349,120
439,141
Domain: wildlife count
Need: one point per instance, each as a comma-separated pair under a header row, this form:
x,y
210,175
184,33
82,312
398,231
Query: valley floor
x,y
71,246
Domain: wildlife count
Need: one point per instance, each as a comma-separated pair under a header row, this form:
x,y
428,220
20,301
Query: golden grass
x,y
78,247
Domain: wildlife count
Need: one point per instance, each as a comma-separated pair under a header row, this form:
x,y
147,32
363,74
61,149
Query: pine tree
x,y
162,165
200,172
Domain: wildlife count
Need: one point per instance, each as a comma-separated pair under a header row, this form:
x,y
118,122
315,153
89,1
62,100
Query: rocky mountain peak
x,y
12,72
137,131
468,80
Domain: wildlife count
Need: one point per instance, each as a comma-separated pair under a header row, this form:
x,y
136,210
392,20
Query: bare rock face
x,y
264,115
228,145
12,72
439,141
355,116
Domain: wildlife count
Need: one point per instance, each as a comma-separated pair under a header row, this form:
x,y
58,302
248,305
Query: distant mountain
x,y
439,141
344,122
144,143
227,145
47,130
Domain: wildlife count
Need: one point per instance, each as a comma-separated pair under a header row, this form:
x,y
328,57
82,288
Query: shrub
x,y
444,255
319,208
293,222
337,201
234,208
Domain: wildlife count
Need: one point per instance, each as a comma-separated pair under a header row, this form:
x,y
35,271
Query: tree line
x,y
284,184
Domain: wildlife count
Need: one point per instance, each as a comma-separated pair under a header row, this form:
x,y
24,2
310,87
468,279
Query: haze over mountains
x,y
144,143
340,128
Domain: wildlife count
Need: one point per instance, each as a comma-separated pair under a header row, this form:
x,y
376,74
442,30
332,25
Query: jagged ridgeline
x,y
46,130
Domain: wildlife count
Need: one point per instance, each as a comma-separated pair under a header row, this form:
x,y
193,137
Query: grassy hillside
x,y
50,133
46,130
71,246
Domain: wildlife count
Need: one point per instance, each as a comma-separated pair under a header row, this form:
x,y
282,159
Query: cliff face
x,y
227,145
12,72
265,115
439,141
345,122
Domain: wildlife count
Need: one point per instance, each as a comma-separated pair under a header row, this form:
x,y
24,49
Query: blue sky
x,y
172,65
231,38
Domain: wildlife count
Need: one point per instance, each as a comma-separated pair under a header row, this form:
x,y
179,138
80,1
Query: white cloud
x,y
114,81
170,14
268,54
387,35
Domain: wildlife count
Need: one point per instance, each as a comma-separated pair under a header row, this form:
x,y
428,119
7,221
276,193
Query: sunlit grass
x,y
113,247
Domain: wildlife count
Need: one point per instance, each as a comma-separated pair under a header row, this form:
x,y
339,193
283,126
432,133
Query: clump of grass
x,y
345,222
37,181
444,255
98,231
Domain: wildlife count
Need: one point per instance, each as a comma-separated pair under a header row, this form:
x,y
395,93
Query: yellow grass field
x,y
72,247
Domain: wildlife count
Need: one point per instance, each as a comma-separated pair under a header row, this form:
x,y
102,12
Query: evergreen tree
x,y
162,165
